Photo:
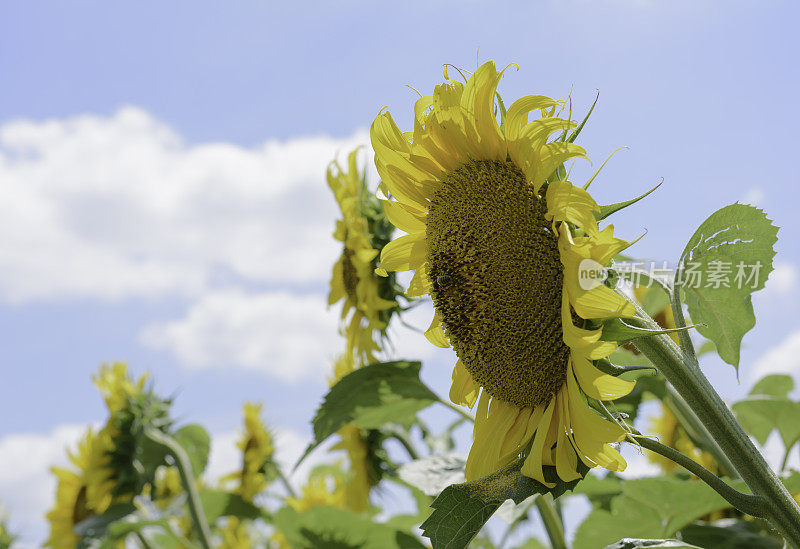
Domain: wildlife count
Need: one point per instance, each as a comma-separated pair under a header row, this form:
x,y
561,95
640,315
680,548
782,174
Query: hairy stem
x,y
184,467
552,524
689,381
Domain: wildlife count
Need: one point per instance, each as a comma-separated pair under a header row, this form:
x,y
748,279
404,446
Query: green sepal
x,y
605,211
620,331
576,132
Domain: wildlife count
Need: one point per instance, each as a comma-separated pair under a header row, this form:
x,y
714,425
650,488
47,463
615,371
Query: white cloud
x,y
111,207
782,359
783,280
288,336
27,487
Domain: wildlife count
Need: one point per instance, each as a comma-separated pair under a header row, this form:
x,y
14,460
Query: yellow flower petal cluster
x,y
498,242
84,490
354,279
116,387
257,453
318,491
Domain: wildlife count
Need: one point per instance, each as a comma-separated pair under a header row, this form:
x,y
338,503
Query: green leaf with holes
x,y
727,258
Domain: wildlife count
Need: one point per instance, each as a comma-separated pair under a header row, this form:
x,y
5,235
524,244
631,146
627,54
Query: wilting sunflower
x,y
363,230
258,465
82,492
497,235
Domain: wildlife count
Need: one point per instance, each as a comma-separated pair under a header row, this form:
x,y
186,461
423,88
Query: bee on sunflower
x,y
497,235
369,301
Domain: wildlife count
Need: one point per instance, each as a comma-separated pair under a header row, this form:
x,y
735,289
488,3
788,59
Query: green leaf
x,y
432,474
728,534
706,347
761,414
195,440
94,530
217,503
648,508
729,247
461,510
629,543
533,543
332,528
777,385
384,392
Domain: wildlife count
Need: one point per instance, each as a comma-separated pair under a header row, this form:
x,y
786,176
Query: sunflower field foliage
x,y
565,353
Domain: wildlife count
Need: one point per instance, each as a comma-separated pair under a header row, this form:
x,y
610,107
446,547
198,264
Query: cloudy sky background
x,y
162,195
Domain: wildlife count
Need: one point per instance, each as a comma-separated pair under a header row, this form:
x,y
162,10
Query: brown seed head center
x,y
498,279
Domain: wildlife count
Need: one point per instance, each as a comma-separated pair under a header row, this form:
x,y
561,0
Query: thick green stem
x,y
552,524
184,467
697,431
781,509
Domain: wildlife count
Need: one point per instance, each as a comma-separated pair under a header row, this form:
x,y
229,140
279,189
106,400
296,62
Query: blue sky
x,y
163,202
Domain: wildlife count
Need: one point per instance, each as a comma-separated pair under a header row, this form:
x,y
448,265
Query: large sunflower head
x,y
369,300
497,235
83,490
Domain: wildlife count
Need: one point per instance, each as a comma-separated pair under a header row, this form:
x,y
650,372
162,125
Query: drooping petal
x,y
597,384
463,391
435,333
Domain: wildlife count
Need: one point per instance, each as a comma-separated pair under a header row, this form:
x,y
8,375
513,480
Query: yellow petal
x,y
566,458
402,217
435,333
517,115
533,463
463,391
566,202
597,384
404,253
420,283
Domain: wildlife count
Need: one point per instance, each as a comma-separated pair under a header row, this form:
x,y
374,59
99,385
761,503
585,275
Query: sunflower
x,y
116,387
363,460
497,236
325,486
258,466
82,491
363,230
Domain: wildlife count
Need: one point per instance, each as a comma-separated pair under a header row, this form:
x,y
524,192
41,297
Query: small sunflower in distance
x,y
258,466
83,490
369,300
497,235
